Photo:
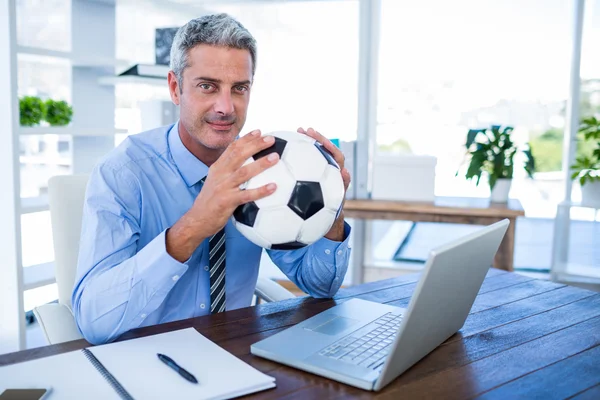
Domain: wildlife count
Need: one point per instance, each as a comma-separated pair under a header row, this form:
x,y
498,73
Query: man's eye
x,y
205,86
241,88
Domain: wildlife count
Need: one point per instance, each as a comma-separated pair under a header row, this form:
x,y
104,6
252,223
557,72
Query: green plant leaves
x,y
507,130
587,167
31,110
529,161
471,135
478,158
494,154
58,113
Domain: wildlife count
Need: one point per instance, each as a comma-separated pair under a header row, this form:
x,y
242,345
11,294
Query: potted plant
x,y
491,151
58,113
31,110
587,167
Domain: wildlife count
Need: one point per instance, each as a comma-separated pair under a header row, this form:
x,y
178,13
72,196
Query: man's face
x,y
214,95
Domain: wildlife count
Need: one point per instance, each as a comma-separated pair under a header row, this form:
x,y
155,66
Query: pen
x,y
167,360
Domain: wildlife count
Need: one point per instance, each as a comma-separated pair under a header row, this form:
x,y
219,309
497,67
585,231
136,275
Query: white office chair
x,y
66,196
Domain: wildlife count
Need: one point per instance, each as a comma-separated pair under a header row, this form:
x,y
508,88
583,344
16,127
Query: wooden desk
x,y
524,338
459,210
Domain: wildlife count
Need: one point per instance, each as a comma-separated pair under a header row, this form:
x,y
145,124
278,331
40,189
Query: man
x,y
157,243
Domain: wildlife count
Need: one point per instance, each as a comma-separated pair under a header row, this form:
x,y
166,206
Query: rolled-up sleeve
x,y
117,283
318,269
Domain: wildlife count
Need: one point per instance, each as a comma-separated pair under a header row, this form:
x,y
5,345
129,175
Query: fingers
x,y
248,195
254,168
346,178
243,148
248,138
337,154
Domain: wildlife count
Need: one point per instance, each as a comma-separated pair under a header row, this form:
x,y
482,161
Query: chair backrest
x,y
66,197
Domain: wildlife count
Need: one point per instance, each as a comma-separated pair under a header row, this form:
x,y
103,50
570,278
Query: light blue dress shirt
x,y
125,277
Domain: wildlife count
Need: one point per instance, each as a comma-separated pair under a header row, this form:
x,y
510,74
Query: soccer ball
x,y
308,198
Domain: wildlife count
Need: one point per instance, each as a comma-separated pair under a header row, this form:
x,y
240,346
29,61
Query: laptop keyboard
x,y
369,350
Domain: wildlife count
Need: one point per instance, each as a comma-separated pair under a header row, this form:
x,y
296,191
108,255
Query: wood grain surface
x,y
524,338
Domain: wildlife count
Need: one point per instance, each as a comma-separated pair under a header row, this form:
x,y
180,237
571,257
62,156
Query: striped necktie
x,y
216,261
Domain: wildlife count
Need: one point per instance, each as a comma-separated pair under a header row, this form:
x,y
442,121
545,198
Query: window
x,y
304,76
446,67
36,239
46,77
41,157
44,24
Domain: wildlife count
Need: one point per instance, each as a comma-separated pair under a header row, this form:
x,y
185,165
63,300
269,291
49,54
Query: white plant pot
x,y
501,190
590,194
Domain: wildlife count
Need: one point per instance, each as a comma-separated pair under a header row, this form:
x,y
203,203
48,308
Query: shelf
x,y
34,204
569,204
571,272
38,276
575,269
130,79
46,159
39,51
68,130
75,61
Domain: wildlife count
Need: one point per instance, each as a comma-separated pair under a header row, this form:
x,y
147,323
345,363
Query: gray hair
x,y
216,30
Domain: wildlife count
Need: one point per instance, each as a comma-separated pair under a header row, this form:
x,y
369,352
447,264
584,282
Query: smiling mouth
x,y
220,126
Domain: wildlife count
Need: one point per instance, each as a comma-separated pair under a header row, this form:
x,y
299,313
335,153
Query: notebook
x,y
131,369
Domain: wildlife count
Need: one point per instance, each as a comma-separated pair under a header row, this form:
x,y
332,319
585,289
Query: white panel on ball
x,y
278,225
304,161
252,235
316,226
280,175
332,186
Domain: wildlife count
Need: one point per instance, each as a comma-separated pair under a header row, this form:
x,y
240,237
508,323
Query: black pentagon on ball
x,y
306,199
326,154
277,147
287,246
246,213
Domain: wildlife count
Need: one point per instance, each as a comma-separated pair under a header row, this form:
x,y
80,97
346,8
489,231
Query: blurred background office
x,y
386,78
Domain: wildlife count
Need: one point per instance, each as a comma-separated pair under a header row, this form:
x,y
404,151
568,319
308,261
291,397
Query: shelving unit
x,y
564,270
75,60
92,132
34,204
115,80
68,130
12,318
38,51
38,275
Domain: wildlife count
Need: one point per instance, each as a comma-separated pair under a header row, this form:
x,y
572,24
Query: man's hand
x,y
221,194
337,230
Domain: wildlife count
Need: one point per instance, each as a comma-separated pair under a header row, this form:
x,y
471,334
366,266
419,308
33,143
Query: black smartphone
x,y
25,394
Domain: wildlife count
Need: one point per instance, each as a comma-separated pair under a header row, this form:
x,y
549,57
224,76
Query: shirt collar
x,y
190,167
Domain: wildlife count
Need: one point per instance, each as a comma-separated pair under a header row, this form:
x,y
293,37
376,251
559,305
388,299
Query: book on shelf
x,y
147,71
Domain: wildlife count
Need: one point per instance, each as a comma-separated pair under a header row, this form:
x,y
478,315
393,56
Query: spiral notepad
x,y
107,375
131,368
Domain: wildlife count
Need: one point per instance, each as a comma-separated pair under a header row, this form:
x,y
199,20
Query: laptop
x,y
367,344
